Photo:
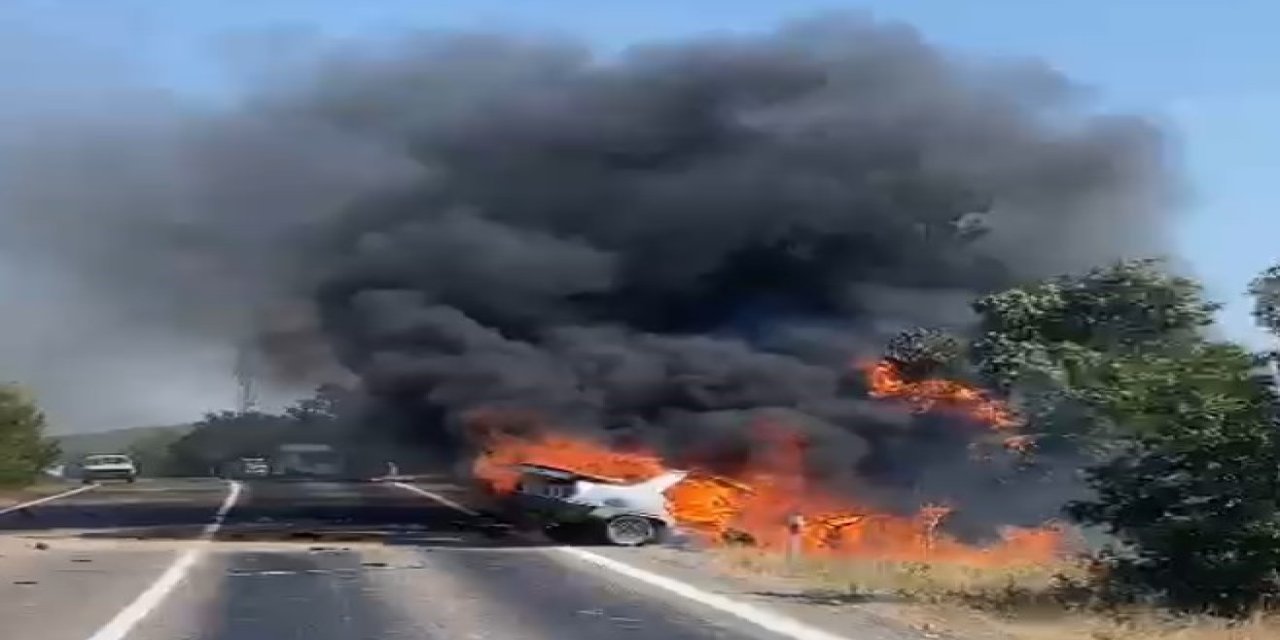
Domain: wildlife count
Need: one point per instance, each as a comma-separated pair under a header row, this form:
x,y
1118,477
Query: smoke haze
x,y
665,246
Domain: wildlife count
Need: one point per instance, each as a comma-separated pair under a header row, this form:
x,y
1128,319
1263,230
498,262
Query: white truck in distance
x,y
112,466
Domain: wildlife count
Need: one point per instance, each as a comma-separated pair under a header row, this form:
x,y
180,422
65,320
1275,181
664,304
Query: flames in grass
x,y
757,503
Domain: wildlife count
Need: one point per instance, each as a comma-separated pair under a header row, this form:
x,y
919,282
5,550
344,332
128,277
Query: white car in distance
x,y
113,466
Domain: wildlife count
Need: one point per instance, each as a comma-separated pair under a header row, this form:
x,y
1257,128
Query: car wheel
x,y
630,531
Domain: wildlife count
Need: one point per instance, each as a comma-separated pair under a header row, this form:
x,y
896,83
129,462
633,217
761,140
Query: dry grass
x,y
1023,603
1139,627
15,495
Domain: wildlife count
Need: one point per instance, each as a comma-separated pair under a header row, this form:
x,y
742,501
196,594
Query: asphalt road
x,y
187,560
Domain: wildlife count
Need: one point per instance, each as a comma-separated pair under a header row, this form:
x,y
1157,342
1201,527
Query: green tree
x,y
329,404
227,435
223,436
1265,290
24,450
154,453
922,352
1113,365
1192,487
1050,344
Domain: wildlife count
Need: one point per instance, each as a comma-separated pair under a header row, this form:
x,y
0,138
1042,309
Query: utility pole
x,y
246,378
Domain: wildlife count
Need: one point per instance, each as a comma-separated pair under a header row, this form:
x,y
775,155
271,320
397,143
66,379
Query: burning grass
x,y
1022,586
758,503
760,500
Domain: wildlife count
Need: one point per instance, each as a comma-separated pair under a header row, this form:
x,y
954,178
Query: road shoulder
x,y
15,499
707,572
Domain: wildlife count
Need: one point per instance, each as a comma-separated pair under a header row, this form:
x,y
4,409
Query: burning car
x,y
626,513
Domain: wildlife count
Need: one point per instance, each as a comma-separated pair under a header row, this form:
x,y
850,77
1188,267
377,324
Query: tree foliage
x,y
1053,344
1060,329
223,436
1114,366
152,453
923,352
24,450
227,435
1192,488
329,404
1265,290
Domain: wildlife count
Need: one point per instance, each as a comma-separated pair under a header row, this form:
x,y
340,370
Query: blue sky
x,y
1207,70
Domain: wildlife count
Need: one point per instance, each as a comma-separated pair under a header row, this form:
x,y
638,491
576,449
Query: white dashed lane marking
x,y
146,602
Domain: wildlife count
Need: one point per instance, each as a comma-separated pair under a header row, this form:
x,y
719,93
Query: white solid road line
x,y
782,625
148,600
228,503
777,623
56,496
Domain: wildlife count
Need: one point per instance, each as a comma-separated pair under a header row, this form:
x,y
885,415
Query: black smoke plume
x,y
673,244
666,245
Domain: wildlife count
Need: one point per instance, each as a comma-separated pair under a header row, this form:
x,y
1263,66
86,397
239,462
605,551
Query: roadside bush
x,y
1192,492
24,451
1113,367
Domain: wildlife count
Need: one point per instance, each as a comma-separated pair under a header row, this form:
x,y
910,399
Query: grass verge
x,y
986,603
10,496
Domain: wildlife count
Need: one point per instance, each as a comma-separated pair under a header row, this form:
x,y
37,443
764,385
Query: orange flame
x,y
887,381
759,501
497,466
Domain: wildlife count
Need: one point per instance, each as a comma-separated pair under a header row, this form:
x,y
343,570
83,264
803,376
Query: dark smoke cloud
x,y
675,244
665,246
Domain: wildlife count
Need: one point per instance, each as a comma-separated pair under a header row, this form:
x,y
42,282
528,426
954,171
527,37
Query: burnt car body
x,y
623,513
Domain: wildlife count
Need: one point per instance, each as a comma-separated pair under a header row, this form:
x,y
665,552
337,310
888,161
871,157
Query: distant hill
x,y
77,445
